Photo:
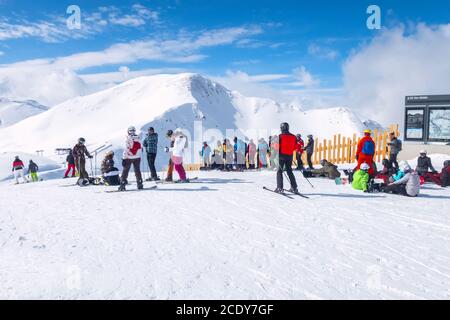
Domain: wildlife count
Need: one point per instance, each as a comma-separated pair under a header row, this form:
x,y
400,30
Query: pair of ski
x,y
287,193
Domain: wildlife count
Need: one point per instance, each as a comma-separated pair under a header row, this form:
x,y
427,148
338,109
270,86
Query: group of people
x,y
247,155
18,169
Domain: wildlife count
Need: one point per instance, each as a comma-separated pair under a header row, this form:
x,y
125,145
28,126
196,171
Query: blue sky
x,y
283,44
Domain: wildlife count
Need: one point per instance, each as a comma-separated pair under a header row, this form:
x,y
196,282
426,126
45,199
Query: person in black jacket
x,y
70,164
424,166
309,151
32,171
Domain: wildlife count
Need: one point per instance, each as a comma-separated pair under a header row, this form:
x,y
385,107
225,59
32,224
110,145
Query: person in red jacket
x,y
366,152
287,145
299,152
18,167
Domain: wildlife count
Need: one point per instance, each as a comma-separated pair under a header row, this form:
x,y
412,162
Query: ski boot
x,y
169,179
278,190
122,187
140,185
293,190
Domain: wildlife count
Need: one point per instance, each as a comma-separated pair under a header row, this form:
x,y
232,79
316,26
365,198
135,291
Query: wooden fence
x,y
340,149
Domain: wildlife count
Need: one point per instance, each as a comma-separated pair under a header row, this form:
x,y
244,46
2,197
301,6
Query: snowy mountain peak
x,y
13,111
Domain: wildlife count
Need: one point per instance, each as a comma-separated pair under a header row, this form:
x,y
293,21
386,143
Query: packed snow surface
x,y
222,237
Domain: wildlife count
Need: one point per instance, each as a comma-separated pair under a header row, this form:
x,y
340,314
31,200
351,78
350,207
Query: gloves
x,y
90,157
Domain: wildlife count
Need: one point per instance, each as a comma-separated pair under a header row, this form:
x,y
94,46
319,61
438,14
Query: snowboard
x,y
132,190
176,181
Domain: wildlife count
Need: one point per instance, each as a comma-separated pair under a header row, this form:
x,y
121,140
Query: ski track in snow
x,y
222,237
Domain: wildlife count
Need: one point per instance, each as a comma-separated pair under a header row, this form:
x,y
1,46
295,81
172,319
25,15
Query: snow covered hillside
x,y
167,102
222,237
12,111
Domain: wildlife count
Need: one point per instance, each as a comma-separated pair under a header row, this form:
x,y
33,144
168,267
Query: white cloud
x,y
54,28
304,78
1,53
322,52
185,47
378,76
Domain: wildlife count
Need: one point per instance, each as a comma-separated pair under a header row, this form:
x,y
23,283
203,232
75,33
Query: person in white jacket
x,y
131,156
179,144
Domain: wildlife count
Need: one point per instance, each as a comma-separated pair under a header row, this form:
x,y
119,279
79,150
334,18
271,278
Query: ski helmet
x,y
110,153
365,167
407,168
284,126
131,129
81,140
423,152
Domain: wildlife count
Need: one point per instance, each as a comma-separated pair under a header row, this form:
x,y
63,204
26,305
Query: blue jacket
x,y
400,174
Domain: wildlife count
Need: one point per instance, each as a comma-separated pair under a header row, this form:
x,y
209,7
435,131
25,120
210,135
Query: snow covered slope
x,y
13,111
222,237
167,102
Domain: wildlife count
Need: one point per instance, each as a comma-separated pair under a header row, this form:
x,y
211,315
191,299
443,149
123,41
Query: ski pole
x,y
306,178
92,170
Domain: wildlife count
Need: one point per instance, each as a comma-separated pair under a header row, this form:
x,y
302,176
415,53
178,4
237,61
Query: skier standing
x,y
79,153
366,152
287,146
131,156
32,171
309,148
251,150
396,147
206,155
179,144
17,169
263,148
151,148
299,152
70,159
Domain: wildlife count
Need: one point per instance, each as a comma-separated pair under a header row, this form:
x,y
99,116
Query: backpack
x,y
135,148
368,148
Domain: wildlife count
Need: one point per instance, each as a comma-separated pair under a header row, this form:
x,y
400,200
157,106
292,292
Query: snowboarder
x,y
110,173
287,146
328,170
79,153
180,143
299,152
366,151
409,185
387,171
263,148
205,154
17,169
424,166
169,177
309,148
151,148
70,159
395,148
131,157
32,171
360,179
251,151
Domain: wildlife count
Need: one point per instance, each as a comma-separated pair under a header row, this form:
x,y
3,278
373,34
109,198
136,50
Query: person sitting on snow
x,y
386,172
360,179
408,186
445,174
110,173
17,169
424,166
328,170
